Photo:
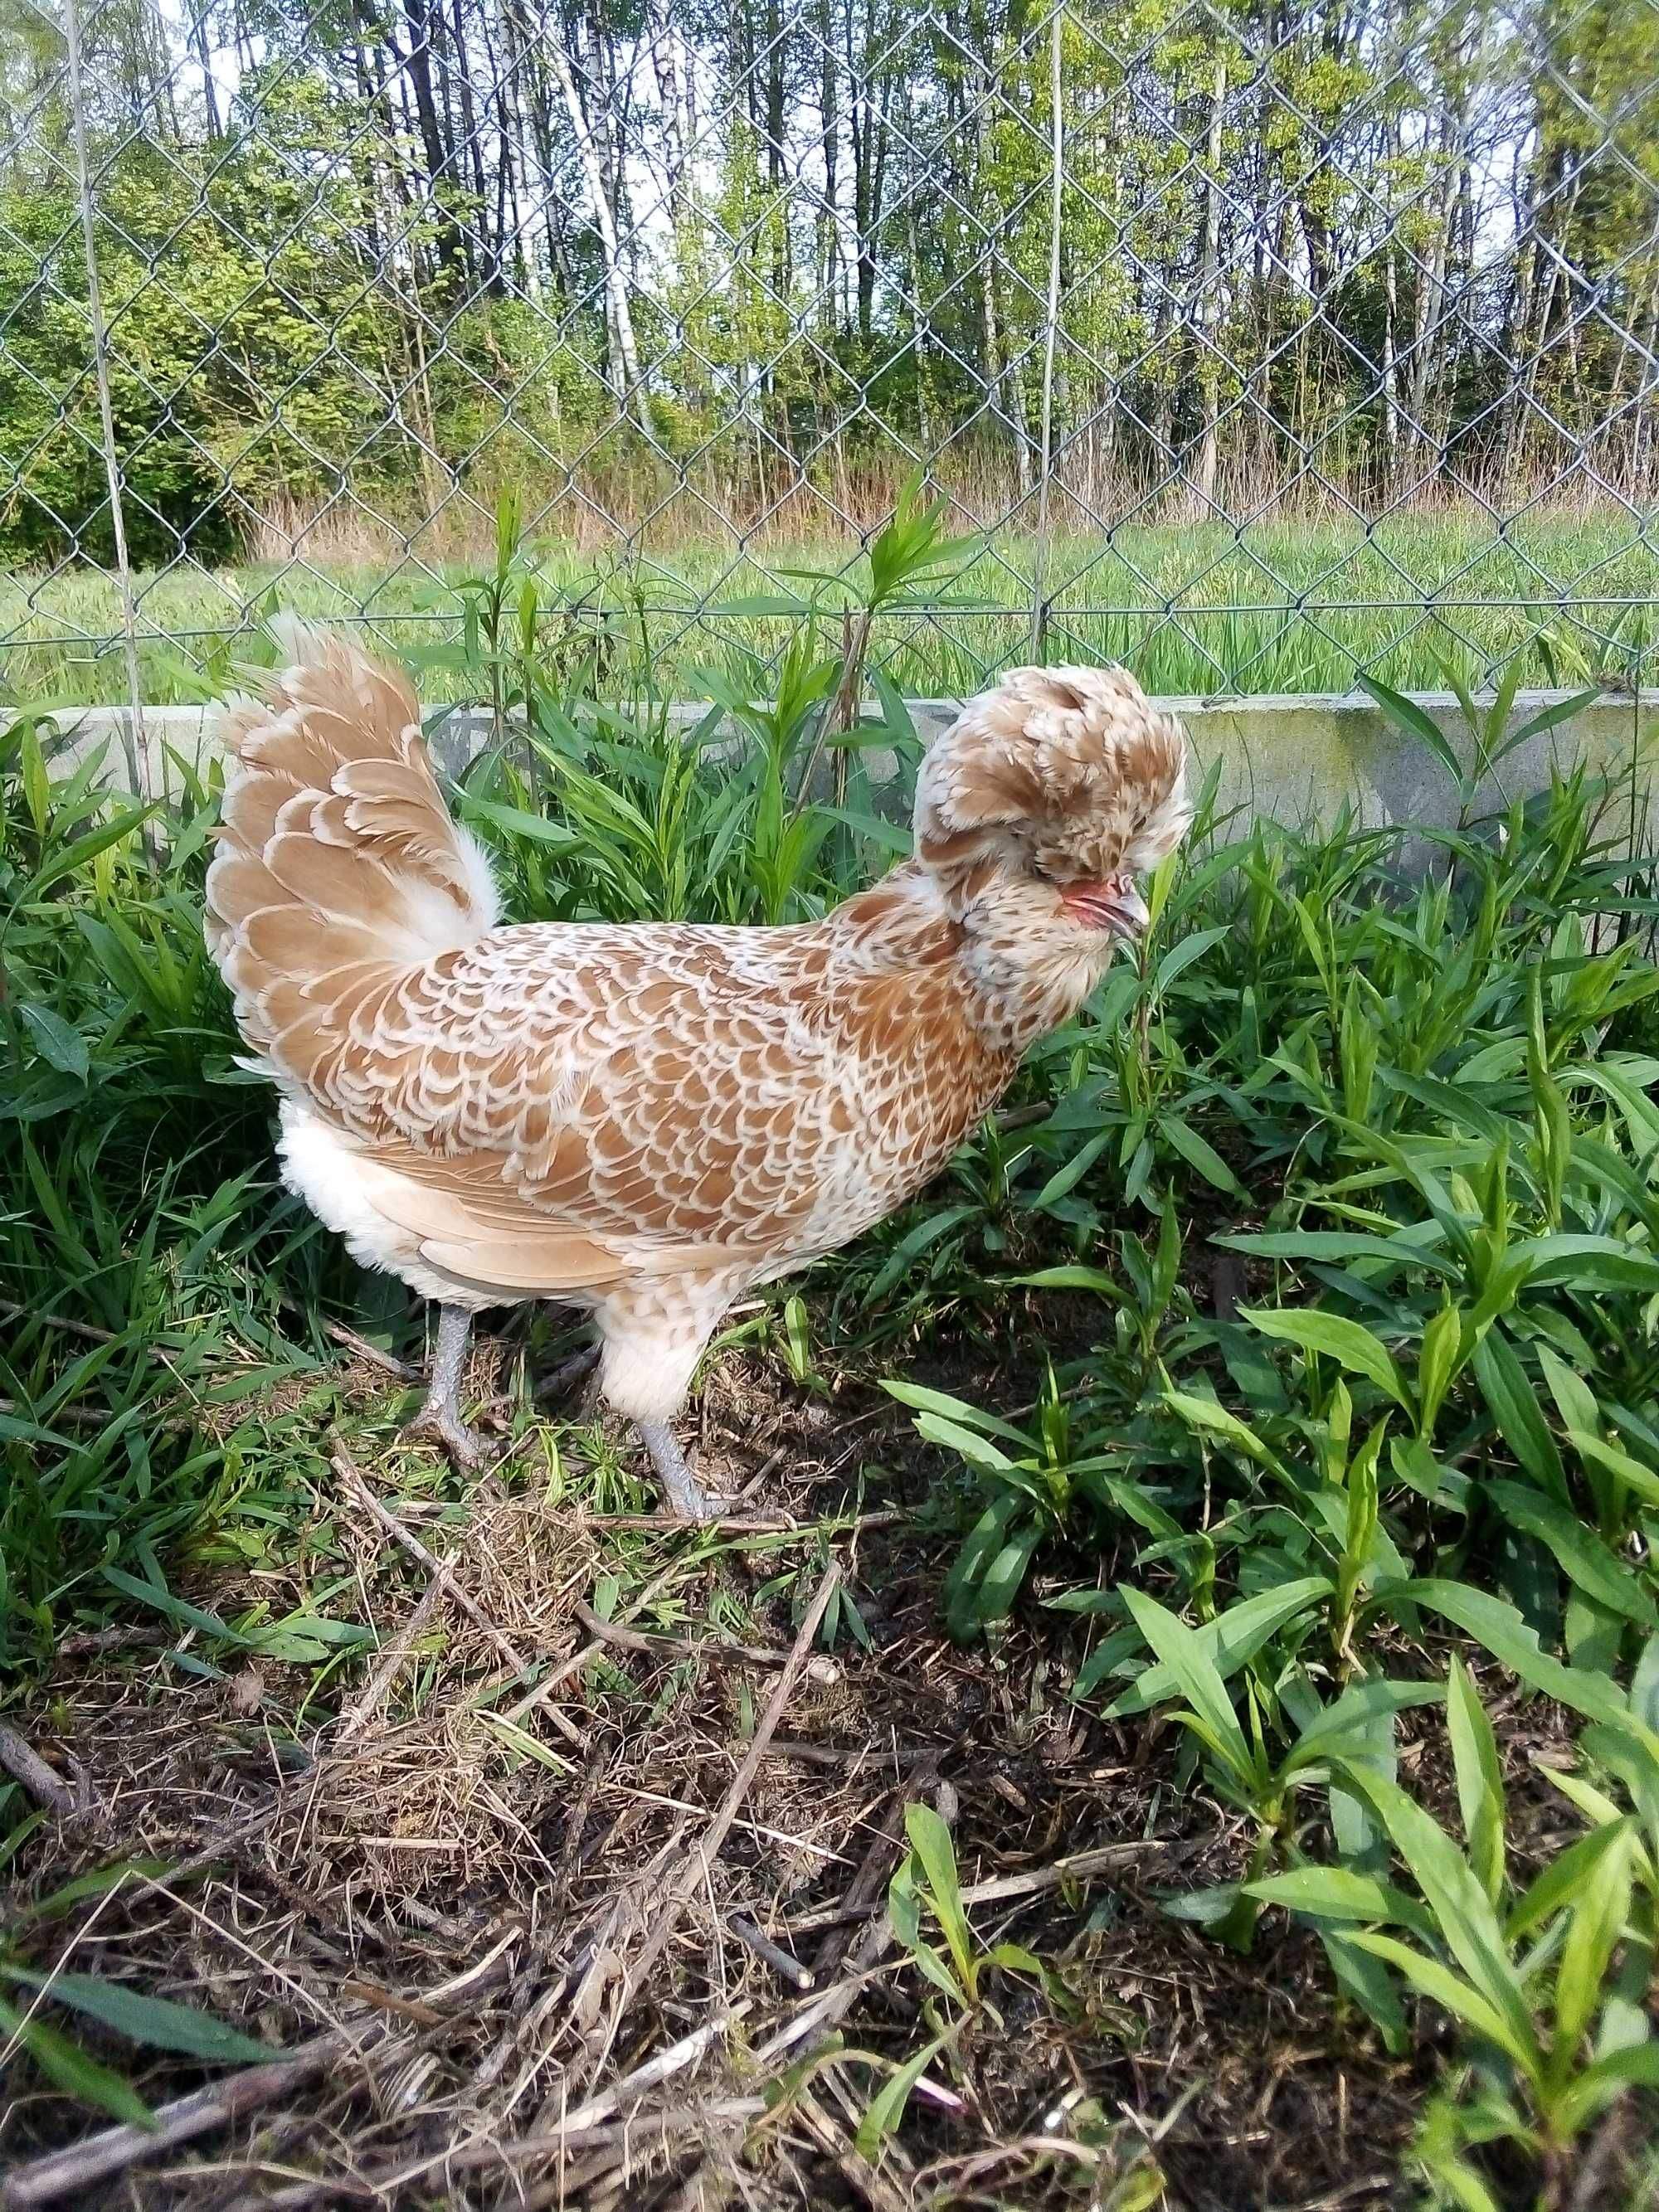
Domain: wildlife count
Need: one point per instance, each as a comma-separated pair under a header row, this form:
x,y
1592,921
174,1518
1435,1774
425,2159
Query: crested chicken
x,y
646,1121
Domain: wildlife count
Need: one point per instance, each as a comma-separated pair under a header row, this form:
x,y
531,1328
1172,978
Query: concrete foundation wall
x,y
1287,758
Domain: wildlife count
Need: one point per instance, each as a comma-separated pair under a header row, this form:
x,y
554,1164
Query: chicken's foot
x,y
680,1486
439,1420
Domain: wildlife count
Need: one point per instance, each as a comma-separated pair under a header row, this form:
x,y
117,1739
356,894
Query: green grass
x,y
1195,609
1332,1232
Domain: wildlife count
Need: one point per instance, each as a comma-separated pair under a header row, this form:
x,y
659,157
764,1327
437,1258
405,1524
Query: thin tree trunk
x,y
626,380
1209,301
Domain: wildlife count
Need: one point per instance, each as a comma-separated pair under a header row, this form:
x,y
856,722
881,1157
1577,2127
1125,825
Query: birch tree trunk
x,y
625,378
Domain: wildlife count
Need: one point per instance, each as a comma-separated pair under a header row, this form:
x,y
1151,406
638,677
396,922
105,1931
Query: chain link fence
x,y
1254,344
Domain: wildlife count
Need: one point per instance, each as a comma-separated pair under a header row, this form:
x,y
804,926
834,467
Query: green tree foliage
x,y
359,257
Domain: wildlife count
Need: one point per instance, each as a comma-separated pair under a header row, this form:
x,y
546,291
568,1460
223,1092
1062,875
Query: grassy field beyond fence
x,y
1194,608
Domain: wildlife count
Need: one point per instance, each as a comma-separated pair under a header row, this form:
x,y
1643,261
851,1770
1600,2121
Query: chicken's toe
x,y
439,1426
680,1486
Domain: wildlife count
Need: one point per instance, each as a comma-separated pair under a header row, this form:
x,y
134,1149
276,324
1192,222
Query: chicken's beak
x,y
1112,903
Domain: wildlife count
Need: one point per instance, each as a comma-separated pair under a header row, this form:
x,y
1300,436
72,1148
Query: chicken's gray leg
x,y
679,1485
440,1417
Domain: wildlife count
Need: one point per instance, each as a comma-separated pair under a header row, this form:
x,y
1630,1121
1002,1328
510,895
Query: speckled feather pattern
x,y
647,1120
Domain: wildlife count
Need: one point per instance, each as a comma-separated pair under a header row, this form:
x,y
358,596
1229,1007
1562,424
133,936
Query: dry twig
x,y
392,1662
692,1869
819,1668
28,1767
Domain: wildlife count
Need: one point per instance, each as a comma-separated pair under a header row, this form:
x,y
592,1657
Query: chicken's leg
x,y
679,1485
440,1417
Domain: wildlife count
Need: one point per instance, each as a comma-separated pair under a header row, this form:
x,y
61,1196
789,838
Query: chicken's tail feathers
x,y
338,858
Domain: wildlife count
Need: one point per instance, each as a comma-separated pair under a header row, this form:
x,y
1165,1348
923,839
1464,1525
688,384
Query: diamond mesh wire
x,y
1351,363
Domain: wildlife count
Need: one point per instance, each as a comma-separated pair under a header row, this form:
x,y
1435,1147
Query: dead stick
x,y
57,1321
693,1868
870,1882
775,1956
678,1647
1078,1867
66,2173
592,1650
37,1778
824,2011
349,1340
443,1573
872,1756
391,1665
763,1524
641,2131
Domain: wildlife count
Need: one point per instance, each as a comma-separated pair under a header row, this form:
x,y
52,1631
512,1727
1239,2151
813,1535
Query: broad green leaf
x,y
156,2022
1574,1399
1499,1626
978,1450
1196,1676
1000,1585
1365,1981
1576,1547
1514,1406
1407,1249
1070,1173
1633,1473
58,1045
955,1409
1333,1893
1231,1639
1597,1923
1480,1778
886,2107
1437,1362
98,1883
1348,1342
1207,1413
1184,952
1463,1913
69,2069
1408,715
1076,1279
1354,1715
1199,1154
930,1839
1460,1998
519,822
1634,2066
1564,1879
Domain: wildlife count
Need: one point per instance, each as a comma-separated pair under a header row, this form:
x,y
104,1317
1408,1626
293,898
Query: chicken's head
x,y
1045,801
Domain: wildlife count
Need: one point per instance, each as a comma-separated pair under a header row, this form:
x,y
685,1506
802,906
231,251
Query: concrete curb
x,y
1288,758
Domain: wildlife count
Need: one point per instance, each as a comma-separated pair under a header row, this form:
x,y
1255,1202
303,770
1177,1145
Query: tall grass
x,y
1196,608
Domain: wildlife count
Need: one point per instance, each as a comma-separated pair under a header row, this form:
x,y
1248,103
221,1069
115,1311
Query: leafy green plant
x,y
29,2015
925,1886
1548,1981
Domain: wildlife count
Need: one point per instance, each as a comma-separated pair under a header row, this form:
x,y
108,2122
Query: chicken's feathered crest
x,y
1072,769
